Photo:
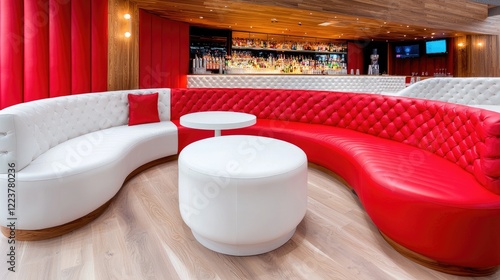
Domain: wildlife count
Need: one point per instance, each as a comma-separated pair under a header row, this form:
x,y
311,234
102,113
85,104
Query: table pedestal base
x,y
243,249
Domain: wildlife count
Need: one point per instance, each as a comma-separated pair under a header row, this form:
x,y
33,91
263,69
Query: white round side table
x,y
217,120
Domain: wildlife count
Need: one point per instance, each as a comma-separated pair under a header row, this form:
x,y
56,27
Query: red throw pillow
x,y
143,108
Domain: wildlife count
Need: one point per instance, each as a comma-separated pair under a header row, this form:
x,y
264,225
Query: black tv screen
x,y
435,47
407,51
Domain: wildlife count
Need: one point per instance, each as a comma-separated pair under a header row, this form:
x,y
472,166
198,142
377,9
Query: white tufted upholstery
x,y
73,153
365,84
45,123
467,91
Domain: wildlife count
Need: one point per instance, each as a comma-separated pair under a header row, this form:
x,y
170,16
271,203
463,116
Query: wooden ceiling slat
x,y
356,19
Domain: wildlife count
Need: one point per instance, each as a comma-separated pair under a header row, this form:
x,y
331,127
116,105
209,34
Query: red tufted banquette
x,y
427,172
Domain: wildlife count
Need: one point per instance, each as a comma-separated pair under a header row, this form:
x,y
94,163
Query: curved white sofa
x,y
73,153
476,92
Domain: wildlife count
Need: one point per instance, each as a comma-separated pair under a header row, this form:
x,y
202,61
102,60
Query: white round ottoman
x,y
242,195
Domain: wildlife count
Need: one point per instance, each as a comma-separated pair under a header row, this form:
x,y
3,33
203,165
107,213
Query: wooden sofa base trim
x,y
435,265
47,233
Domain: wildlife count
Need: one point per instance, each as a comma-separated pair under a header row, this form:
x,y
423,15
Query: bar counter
x,y
350,83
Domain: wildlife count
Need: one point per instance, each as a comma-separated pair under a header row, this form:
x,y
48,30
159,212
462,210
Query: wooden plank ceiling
x,y
394,20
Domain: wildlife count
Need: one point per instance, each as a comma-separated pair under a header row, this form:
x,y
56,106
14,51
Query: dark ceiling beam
x,y
495,11
489,2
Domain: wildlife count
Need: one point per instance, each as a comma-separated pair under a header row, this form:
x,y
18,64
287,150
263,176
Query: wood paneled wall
x,y
123,62
477,56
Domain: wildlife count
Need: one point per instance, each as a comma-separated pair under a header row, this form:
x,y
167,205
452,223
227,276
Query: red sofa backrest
x,y
466,136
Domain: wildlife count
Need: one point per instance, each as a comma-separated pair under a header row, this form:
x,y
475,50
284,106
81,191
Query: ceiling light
x,y
201,17
407,26
326,23
433,33
126,16
211,10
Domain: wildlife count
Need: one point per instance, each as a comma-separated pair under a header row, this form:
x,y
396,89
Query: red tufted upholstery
x,y
424,202
463,135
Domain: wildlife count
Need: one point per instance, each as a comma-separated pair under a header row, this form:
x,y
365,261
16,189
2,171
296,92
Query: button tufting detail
x,y
454,132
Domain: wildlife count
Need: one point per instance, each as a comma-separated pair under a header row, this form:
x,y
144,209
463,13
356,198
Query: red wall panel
x,y
429,64
174,50
156,52
183,54
99,45
36,49
11,53
52,48
354,57
167,42
59,48
145,40
163,53
80,46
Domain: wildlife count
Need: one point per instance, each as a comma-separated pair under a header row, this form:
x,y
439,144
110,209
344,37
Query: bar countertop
x,y
353,83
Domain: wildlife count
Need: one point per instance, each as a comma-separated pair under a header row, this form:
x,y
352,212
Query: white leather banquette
x,y
73,153
477,92
348,83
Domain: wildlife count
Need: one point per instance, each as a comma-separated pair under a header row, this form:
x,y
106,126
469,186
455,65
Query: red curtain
x,y
163,52
52,48
11,52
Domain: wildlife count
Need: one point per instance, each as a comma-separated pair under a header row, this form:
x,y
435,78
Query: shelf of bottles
x,y
268,53
207,56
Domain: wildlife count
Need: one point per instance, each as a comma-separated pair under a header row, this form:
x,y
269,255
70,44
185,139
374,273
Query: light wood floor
x,y
142,236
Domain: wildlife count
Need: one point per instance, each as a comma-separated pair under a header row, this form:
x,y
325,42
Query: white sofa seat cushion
x,y
77,176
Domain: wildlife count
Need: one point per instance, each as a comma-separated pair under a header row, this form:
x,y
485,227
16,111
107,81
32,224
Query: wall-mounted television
x,y
407,51
435,47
